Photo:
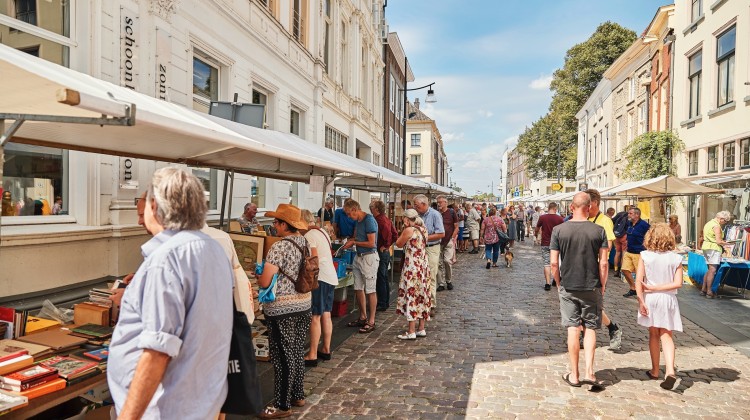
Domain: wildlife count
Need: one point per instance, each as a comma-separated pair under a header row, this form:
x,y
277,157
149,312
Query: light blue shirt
x,y
364,227
433,221
180,304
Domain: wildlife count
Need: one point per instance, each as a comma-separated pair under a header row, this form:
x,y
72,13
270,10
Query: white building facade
x,y
281,54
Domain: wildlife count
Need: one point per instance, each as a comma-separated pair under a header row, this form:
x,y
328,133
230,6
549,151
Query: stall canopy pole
x,y
231,195
224,202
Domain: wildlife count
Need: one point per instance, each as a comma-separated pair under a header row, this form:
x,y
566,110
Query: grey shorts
x,y
545,256
365,270
581,307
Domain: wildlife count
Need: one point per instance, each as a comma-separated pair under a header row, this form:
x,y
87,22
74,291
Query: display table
x,y
735,274
45,402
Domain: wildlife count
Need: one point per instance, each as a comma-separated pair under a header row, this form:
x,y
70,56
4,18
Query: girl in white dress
x,y
659,276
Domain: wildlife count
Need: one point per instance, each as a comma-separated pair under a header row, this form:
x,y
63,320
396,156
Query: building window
x,y
713,159
606,143
744,153
695,70
294,121
375,159
327,40
261,98
631,126
416,140
26,11
391,145
729,156
725,60
364,78
693,163
336,140
393,94
343,59
416,164
397,152
299,21
205,83
696,10
619,143
631,89
34,179
641,118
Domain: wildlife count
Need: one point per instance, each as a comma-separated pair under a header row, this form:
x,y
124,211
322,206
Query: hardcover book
x,y
68,367
27,375
33,350
99,354
45,389
15,364
28,385
9,402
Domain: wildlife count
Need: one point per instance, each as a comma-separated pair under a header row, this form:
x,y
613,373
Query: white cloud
x,y
485,114
542,83
450,137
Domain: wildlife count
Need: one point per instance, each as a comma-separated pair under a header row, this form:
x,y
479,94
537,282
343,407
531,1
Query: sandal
x,y
367,328
274,413
710,295
669,382
358,323
566,378
650,376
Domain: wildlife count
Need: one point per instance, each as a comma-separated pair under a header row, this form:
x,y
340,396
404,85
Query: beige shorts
x,y
713,257
630,262
365,271
474,234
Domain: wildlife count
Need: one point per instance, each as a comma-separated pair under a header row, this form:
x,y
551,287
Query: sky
x,y
492,62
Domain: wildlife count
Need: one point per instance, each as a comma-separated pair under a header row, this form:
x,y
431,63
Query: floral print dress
x,y
414,298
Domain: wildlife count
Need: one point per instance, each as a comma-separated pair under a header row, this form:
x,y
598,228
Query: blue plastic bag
x,y
268,294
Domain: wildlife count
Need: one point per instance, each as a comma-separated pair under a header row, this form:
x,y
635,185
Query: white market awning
x,y
661,186
161,131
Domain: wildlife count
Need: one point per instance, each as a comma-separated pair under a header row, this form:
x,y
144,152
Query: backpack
x,y
307,277
621,225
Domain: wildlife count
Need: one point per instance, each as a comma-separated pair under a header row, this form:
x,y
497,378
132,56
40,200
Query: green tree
x,y
651,154
585,63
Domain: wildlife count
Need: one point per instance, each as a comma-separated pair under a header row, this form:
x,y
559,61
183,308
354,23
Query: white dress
x,y
663,309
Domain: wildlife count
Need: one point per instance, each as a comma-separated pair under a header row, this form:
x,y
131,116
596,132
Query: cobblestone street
x,y
495,349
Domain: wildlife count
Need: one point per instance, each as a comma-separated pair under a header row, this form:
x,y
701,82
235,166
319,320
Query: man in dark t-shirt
x,y
447,244
578,254
545,224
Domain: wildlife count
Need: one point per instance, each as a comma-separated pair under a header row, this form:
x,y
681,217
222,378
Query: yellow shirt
x,y
709,236
606,223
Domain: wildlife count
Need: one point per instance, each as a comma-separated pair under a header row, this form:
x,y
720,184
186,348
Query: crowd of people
x,y
183,291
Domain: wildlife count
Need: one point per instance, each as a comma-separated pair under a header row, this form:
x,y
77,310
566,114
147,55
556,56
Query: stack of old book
x,y
32,381
98,355
10,402
93,333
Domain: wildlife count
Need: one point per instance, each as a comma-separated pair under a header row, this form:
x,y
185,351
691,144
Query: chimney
x,y
416,103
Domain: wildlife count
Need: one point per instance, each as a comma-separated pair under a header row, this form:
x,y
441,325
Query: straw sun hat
x,y
289,214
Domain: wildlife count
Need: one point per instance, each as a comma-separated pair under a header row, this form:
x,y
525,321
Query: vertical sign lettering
x,y
128,48
128,169
163,55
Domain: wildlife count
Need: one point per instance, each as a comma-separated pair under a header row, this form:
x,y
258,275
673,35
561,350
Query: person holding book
x,y
176,314
288,316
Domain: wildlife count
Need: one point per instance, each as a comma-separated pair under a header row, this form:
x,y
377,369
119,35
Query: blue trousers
x,y
492,251
383,286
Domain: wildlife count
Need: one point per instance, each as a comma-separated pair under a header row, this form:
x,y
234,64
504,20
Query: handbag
x,y
243,394
266,294
500,234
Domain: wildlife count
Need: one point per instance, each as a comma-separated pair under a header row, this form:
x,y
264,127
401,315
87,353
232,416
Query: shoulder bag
x,y
243,394
307,276
500,234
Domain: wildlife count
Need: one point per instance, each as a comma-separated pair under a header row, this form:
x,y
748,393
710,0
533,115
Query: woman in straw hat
x,y
414,297
289,315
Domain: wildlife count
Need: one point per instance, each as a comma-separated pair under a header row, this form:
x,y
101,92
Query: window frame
x,y
729,153
213,64
745,153
712,159
693,15
693,162
415,166
418,138
695,78
725,62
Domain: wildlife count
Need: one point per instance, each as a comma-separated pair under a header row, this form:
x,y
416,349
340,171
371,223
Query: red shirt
x,y
386,232
547,222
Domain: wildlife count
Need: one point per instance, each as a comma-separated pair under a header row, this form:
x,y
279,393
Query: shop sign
x,y
163,55
128,48
128,169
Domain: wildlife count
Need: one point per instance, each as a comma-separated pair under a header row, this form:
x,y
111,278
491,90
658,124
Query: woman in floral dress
x,y
414,299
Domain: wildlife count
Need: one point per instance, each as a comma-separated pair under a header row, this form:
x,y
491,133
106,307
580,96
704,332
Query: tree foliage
x,y
650,155
585,63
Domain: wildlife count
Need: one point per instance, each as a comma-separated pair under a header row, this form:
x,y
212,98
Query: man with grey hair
x,y
325,214
181,294
433,222
578,254
247,221
472,224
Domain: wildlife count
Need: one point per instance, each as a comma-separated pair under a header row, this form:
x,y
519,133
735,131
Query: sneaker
x,y
407,336
421,333
450,286
617,274
615,339
440,288
488,265
630,293
547,287
554,283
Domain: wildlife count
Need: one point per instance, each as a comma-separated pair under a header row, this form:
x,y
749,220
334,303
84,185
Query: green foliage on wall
x,y
651,154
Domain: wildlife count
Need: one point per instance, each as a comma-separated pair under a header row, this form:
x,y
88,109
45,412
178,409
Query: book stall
x,y
49,361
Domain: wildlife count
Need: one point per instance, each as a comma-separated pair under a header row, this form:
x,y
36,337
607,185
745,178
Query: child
x,y
659,276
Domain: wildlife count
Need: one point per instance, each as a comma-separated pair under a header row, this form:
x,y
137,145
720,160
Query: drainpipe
x,y
586,150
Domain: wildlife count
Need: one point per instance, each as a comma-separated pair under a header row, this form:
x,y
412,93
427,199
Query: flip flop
x,y
358,323
566,378
669,382
650,376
